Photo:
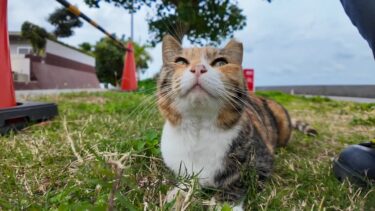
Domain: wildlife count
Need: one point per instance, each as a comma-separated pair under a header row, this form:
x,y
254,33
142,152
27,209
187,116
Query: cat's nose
x,y
198,70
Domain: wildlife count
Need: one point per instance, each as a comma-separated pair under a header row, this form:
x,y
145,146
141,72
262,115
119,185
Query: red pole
x,y
7,98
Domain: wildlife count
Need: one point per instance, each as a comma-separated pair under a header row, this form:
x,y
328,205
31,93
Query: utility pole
x,y
132,22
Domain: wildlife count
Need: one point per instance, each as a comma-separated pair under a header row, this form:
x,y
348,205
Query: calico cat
x,y
214,127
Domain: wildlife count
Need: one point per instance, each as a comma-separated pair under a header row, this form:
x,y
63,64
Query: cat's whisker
x,y
249,106
162,99
169,26
224,96
229,97
218,88
145,106
148,99
231,101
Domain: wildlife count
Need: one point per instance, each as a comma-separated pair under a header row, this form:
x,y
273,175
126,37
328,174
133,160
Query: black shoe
x,y
356,163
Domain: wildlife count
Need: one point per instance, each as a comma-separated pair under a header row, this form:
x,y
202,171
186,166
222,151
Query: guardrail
x,y
365,91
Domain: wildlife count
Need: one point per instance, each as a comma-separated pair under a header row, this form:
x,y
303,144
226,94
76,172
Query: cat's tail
x,y
304,128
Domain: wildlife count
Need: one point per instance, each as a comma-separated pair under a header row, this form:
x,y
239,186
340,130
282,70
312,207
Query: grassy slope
x,y
39,169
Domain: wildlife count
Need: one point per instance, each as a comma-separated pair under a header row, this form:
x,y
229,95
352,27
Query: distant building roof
x,y
17,36
13,33
64,51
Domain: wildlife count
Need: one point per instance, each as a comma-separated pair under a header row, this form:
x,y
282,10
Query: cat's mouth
x,y
198,89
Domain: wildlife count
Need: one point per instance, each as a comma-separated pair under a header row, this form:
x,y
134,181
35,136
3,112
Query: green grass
x,y
105,146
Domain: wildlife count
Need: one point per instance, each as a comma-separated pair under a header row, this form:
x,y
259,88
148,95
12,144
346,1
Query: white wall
x,y
21,65
15,44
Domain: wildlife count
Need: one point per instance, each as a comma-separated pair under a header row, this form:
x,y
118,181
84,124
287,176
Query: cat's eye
x,y
182,61
219,62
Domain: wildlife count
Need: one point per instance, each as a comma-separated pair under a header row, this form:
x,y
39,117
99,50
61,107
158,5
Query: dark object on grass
x,y
356,163
18,117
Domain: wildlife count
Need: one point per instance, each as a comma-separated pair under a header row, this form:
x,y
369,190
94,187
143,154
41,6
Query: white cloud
x,y
287,41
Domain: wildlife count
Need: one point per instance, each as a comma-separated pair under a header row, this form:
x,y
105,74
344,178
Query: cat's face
x,y
200,81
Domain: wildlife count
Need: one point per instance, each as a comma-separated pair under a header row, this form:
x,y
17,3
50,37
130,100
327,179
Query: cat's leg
x,y
232,191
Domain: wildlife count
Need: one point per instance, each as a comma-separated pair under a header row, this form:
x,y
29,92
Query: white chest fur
x,y
196,149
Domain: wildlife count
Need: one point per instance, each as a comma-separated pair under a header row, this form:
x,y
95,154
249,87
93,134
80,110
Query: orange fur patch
x,y
283,123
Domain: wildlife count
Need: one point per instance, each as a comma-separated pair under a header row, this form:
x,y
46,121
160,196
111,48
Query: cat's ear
x,y
170,47
234,50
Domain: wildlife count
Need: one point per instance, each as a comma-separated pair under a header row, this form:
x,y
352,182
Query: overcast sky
x,y
287,42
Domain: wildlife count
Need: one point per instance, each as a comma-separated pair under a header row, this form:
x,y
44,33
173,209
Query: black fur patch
x,y
247,153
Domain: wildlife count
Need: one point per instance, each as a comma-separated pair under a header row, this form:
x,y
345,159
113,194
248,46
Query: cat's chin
x,y
198,104
197,97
